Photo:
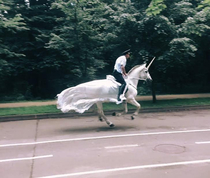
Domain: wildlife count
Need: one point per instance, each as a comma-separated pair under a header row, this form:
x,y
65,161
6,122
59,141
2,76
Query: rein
x,y
138,78
132,86
135,79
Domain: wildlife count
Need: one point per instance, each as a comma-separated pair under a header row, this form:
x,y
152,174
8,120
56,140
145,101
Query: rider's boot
x,y
121,96
118,96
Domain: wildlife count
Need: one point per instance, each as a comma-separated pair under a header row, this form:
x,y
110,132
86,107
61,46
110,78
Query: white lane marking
x,y
121,146
206,142
105,137
129,168
22,159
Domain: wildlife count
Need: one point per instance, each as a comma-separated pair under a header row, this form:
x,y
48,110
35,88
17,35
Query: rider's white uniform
x,y
120,61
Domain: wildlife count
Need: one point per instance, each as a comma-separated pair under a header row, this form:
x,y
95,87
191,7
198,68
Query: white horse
x,y
81,97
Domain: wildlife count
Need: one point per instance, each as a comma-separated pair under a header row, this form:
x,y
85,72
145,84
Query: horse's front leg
x,y
138,107
101,115
125,107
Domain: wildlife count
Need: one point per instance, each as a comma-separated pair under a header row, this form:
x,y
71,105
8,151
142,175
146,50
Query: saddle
x,y
112,78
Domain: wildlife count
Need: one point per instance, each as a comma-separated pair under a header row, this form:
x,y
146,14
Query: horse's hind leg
x,y
100,111
101,115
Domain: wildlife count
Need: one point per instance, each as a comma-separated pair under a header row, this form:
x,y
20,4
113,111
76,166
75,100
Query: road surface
x,y
154,145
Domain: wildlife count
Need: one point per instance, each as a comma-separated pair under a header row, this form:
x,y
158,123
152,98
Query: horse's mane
x,y
134,68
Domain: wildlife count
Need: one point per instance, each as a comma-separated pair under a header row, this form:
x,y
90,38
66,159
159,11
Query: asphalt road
x,y
154,145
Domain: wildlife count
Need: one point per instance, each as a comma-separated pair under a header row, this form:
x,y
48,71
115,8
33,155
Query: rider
x,y
119,72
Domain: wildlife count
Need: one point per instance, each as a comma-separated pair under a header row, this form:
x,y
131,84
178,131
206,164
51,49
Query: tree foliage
x,y
47,46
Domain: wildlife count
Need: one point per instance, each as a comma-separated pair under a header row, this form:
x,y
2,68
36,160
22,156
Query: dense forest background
x,y
49,45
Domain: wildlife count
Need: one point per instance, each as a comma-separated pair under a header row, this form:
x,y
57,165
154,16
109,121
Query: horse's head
x,y
141,72
145,71
144,74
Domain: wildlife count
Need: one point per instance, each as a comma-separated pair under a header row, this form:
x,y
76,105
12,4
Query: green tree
x,y
12,27
156,7
78,40
47,46
177,57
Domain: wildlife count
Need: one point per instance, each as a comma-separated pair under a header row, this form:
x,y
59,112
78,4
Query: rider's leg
x,y
121,80
123,89
118,96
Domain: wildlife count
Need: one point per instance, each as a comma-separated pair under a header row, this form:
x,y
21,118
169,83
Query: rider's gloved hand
x,y
125,76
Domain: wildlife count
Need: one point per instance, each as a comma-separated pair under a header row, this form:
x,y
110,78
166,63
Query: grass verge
x,y
107,106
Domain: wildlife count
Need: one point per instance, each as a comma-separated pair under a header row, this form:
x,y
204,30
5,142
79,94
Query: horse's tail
x,y
81,97
66,96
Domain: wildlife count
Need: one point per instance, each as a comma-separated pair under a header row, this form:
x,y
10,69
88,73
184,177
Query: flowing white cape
x,y
81,97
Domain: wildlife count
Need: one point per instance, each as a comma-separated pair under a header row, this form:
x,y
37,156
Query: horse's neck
x,y
134,77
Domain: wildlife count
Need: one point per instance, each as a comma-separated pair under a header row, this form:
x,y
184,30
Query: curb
x,y
74,114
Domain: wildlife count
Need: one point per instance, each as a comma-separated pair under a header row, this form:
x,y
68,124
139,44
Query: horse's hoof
x,y
132,117
114,114
100,119
111,125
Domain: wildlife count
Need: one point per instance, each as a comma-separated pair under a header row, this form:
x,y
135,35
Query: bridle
x,y
138,78
135,78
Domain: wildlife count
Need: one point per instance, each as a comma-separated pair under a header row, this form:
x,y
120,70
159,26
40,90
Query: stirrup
x,y
119,102
122,97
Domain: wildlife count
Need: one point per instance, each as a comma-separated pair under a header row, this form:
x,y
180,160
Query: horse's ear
x,y
144,65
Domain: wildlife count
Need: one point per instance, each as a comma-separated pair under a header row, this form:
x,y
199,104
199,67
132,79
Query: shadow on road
x,y
93,129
